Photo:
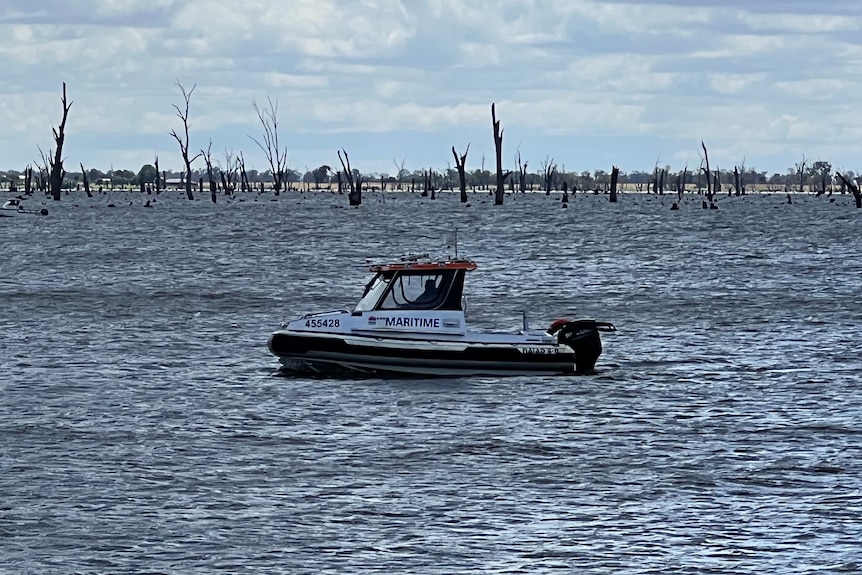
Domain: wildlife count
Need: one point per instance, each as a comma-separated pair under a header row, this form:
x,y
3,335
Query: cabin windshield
x,y
414,290
373,292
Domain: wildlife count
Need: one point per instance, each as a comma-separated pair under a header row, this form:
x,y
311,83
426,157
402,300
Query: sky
x,y
586,84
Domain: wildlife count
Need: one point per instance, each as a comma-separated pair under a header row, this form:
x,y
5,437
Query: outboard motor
x,y
582,335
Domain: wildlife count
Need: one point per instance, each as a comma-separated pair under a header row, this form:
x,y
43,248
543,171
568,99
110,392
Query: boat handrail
x,y
329,312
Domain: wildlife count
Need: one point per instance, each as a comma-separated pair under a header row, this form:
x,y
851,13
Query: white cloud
x,y
757,80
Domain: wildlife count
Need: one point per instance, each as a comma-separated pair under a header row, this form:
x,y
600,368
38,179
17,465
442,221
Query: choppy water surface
x,y
142,428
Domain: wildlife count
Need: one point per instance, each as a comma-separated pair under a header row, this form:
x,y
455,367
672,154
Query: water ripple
x,y
144,431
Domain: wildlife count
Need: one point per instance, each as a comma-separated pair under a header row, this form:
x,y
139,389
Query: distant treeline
x,y
818,177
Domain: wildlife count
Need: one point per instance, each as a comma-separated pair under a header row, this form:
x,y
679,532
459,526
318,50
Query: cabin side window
x,y
417,291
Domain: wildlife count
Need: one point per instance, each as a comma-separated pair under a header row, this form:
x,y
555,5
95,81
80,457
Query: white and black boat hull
x,y
333,354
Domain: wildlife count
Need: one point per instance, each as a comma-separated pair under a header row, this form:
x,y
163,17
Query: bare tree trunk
x,y
86,181
207,156
710,190
244,185
737,181
354,197
800,169
275,155
28,180
684,182
522,174
431,184
158,178
228,173
400,168
462,174
857,194
183,114
498,146
549,168
615,174
57,172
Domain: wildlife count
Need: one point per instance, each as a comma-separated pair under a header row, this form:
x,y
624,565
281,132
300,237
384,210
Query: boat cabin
x,y
415,285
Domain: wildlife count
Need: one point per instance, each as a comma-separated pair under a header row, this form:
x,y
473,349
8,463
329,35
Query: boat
x,y
410,321
13,208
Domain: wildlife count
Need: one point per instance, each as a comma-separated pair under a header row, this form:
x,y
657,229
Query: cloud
x,y
648,78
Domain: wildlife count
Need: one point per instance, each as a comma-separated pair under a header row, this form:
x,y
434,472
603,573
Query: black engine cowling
x,y
583,336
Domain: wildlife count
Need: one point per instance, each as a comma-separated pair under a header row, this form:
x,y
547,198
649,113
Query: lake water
x,y
143,428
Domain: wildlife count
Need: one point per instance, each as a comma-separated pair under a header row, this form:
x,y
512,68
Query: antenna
x,y
454,243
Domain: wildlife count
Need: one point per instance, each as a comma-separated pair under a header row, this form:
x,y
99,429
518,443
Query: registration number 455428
x,y
312,323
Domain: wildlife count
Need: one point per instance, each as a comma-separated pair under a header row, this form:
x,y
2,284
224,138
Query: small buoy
x,y
43,212
674,206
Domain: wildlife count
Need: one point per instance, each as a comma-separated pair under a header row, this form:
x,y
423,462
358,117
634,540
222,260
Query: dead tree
x,y
354,181
44,170
498,147
683,183
522,174
55,164
183,141
800,170
400,168
615,174
710,189
275,155
853,187
228,172
428,184
244,184
462,174
208,160
738,181
86,181
158,178
549,169
28,180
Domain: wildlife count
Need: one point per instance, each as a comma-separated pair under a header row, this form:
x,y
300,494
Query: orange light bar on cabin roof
x,y
425,266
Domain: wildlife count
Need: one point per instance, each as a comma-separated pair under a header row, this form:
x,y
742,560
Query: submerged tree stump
x,y
615,174
354,181
500,192
56,167
460,161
